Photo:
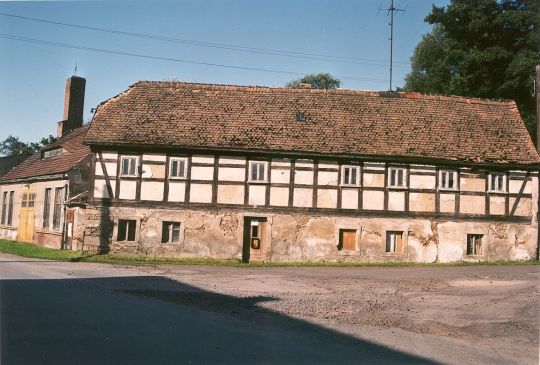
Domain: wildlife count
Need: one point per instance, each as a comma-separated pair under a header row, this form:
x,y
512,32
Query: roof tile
x,y
338,122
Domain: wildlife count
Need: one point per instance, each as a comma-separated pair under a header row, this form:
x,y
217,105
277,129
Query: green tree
x,y
12,146
318,81
480,48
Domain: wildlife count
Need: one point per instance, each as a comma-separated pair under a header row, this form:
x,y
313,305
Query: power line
x,y
231,47
139,55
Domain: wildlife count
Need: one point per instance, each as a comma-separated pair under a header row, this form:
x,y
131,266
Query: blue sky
x,y
32,76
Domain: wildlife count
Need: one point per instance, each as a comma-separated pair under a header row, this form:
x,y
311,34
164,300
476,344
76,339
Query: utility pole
x,y
391,10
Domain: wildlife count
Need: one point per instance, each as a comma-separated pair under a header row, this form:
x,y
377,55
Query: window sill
x,y
397,188
349,252
449,190
349,186
177,178
474,257
257,182
496,192
49,231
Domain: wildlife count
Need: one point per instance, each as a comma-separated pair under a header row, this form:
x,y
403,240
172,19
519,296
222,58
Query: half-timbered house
x,y
280,174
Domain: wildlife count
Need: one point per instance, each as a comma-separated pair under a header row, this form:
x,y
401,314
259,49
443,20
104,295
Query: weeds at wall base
x,y
39,252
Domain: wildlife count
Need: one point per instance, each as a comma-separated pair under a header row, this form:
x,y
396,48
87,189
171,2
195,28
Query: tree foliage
x,y
480,48
12,146
318,81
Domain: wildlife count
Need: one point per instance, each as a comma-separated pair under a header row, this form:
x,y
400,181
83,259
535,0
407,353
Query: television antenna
x,y
390,11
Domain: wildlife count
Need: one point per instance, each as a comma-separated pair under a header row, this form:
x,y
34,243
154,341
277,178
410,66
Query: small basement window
x,y
497,182
397,177
474,244
350,175
126,230
448,179
178,168
129,166
170,232
394,242
347,240
258,171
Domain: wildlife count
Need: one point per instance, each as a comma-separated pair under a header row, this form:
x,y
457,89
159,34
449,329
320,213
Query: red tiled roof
x,y
338,122
34,166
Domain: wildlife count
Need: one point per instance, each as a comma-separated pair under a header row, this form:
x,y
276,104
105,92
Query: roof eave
x,y
533,166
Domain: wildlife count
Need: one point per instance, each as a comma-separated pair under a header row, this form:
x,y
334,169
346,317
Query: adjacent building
x,y
41,196
280,174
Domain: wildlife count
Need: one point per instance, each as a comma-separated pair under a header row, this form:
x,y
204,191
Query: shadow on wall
x,y
106,231
154,320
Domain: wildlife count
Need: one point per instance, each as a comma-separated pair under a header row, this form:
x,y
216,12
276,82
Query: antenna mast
x,y
391,10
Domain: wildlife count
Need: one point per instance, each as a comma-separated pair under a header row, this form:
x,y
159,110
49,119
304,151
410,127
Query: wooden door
x,y
26,217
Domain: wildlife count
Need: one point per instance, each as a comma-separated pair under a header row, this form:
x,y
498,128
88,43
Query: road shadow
x,y
155,320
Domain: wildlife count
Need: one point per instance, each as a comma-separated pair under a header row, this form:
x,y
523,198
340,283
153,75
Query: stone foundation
x,y
296,237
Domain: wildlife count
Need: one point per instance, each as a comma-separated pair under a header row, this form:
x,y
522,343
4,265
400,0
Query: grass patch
x,y
34,251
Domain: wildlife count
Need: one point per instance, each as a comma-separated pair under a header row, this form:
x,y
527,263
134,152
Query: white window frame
x,y
126,238
179,159
53,153
351,167
391,244
136,159
169,225
498,188
263,163
455,179
473,237
395,186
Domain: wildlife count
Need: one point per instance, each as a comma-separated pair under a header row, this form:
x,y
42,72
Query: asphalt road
x,y
80,313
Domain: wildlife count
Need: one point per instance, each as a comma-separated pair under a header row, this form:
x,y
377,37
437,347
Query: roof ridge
x,y
400,94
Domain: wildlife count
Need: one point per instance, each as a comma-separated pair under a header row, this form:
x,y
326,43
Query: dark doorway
x,y
253,236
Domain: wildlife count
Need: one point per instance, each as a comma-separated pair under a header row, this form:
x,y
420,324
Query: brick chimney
x,y
73,105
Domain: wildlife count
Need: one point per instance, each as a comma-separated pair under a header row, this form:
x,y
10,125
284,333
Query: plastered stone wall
x,y
298,237
46,236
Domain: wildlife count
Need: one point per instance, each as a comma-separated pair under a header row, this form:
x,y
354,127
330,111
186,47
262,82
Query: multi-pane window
x,y
47,208
497,182
57,211
178,168
4,207
474,244
397,177
128,166
394,241
126,230
350,175
28,200
258,171
170,232
448,179
53,153
10,208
